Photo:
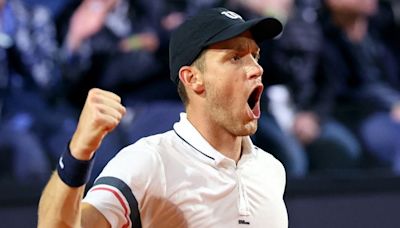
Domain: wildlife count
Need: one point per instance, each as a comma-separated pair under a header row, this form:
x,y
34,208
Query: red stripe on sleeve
x,y
121,201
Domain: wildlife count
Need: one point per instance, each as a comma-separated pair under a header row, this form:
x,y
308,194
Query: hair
x,y
199,63
182,93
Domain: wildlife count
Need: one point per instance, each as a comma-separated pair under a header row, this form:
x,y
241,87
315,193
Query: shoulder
x,y
270,169
137,167
145,151
271,164
267,158
140,162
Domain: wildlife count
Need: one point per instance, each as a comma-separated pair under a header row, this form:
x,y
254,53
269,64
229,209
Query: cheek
x,y
224,83
228,89
220,94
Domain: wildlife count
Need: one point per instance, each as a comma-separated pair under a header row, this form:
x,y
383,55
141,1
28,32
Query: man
x,y
205,172
299,127
29,90
365,78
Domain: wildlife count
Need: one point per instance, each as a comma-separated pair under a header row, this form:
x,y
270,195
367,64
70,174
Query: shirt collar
x,y
187,132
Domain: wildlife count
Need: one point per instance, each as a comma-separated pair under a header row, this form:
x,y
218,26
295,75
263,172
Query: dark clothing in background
x,y
365,76
293,60
365,79
30,88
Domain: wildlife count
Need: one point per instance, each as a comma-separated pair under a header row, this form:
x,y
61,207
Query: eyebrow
x,y
240,48
244,47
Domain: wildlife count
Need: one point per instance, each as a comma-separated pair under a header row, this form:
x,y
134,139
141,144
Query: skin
x,y
60,205
306,127
90,17
218,96
352,16
218,109
353,7
279,8
87,20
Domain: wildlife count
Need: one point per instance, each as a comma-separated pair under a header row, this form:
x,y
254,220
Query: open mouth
x,y
254,97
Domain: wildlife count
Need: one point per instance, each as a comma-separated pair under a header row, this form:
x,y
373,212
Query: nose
x,y
253,69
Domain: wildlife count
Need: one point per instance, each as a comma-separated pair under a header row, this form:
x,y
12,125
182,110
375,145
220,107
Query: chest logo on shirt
x,y
243,222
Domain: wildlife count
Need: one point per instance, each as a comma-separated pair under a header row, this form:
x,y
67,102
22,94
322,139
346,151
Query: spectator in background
x,y
122,45
29,85
119,45
387,24
111,44
173,14
296,125
365,76
281,9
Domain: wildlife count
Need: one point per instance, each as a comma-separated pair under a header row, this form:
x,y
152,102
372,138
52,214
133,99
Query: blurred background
x,y
331,104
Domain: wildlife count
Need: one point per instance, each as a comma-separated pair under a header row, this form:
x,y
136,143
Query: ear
x,y
192,78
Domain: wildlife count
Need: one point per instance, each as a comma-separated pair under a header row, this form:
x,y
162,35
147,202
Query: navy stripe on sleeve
x,y
127,192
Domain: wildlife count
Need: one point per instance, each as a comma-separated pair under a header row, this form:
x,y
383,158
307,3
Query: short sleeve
x,y
119,190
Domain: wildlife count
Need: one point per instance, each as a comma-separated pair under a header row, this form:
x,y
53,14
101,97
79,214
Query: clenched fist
x,y
101,113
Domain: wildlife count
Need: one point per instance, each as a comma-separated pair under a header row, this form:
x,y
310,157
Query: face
x,y
232,85
272,6
354,7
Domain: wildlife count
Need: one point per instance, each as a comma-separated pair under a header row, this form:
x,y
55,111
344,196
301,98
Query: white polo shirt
x,y
177,179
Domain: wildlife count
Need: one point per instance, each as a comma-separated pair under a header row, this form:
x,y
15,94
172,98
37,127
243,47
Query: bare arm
x,y
60,205
87,20
306,127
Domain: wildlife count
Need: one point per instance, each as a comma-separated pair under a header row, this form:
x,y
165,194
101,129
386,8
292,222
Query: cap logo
x,y
231,15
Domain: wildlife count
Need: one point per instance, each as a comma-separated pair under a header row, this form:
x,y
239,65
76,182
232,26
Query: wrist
x,y
83,156
72,171
78,152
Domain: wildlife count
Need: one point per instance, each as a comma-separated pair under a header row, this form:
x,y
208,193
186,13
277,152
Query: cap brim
x,y
261,29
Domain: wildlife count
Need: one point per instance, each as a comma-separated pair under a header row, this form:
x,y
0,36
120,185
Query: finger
x,y
110,111
99,92
112,104
107,121
97,96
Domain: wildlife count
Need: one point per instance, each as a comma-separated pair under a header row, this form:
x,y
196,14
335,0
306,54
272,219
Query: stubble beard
x,y
223,115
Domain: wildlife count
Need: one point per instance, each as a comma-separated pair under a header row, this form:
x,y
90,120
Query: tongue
x,y
255,112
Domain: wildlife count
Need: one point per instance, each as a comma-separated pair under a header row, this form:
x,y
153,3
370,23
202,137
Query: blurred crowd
x,y
332,79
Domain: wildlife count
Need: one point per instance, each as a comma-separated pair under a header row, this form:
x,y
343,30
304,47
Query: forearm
x,y
60,204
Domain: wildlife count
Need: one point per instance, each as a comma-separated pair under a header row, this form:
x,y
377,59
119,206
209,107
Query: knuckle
x,y
118,98
122,110
98,119
93,91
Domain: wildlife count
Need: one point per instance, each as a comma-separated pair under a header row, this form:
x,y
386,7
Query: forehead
x,y
242,42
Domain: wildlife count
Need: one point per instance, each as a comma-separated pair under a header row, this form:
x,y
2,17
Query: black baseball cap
x,y
211,26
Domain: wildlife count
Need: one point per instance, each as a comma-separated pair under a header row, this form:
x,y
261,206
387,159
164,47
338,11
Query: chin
x,y
249,129
253,131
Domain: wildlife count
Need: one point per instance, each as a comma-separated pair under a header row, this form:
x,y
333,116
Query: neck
x,y
355,27
227,144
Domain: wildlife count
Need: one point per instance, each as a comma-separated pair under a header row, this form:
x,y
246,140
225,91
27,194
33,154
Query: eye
x,y
256,56
235,58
